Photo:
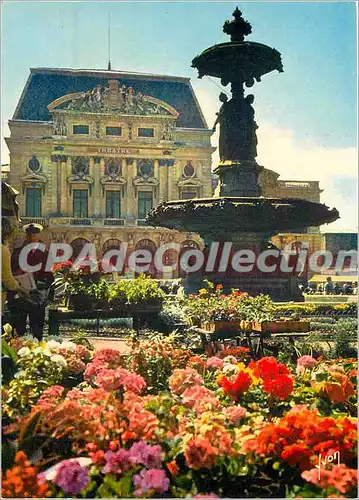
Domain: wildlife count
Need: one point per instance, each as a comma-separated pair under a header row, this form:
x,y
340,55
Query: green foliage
x,y
136,291
211,305
345,334
315,309
36,372
80,338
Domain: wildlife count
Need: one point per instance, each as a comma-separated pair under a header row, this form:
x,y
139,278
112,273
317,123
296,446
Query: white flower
x,y
230,360
37,350
70,346
59,360
46,352
230,369
52,344
7,329
24,351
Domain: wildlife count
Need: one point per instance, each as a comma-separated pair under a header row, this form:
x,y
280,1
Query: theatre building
x,y
92,152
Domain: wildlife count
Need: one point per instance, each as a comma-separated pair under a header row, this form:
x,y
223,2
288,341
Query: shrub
x,y
345,334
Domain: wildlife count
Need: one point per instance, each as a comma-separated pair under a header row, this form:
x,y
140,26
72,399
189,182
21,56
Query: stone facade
x,y
107,155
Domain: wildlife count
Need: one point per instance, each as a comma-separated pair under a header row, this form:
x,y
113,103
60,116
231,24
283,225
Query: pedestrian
x,y
347,289
328,287
8,281
34,307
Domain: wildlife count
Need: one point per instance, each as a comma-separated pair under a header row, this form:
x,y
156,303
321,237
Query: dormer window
x,y
146,132
80,129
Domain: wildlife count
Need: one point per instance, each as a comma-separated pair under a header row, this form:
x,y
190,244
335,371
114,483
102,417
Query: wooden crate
x,y
281,326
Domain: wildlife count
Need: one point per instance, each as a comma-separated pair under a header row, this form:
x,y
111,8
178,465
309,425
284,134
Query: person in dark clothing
x,y
34,307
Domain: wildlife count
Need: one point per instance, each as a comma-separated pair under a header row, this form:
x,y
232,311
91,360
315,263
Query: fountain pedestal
x,y
238,178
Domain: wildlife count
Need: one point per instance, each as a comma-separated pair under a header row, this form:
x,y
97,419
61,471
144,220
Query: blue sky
x,y
314,100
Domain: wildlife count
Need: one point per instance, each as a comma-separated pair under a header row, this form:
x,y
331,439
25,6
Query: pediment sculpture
x,y
117,98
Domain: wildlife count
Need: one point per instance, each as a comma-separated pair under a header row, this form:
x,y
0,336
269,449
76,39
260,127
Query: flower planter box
x,y
246,325
80,302
281,326
221,326
101,304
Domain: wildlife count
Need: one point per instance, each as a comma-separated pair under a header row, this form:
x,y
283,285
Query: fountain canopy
x,y
238,60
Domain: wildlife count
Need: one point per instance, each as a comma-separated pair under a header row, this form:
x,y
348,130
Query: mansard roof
x,y
44,85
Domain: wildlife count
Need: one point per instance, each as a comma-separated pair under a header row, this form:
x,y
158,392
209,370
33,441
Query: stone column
x,y
65,171
170,183
102,200
124,193
163,183
131,191
96,191
156,176
55,176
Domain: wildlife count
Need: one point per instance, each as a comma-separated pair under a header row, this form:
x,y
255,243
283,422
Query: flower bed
x,y
160,421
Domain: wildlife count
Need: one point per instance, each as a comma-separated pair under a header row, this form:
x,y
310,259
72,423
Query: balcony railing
x,y
83,222
113,222
44,221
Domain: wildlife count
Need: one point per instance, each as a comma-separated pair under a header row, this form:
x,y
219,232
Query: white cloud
x,y
279,150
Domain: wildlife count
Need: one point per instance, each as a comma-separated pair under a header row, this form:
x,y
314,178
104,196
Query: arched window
x,y
150,246
111,244
77,245
146,245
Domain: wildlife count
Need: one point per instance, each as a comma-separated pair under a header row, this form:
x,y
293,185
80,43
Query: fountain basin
x,y
224,216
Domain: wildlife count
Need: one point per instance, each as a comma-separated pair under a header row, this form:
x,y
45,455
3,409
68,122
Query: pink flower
x,y
340,476
307,362
92,370
214,362
131,381
117,462
154,479
209,495
142,453
200,398
71,477
55,391
235,414
75,365
181,379
110,380
109,356
83,353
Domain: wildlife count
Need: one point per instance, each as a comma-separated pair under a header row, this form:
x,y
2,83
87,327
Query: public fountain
x,y
239,213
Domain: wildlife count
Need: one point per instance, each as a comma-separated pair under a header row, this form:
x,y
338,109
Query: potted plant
x,y
141,293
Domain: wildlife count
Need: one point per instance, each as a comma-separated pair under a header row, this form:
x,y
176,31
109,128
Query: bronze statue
x,y
237,138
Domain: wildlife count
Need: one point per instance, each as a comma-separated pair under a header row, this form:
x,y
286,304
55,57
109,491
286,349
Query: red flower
x,y
269,368
280,386
297,454
240,385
